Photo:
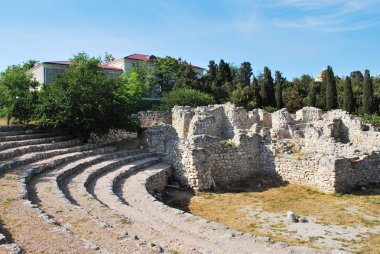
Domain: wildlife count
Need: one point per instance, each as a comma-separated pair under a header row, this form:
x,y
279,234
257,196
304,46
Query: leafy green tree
x,y
208,81
223,83
303,83
313,94
186,97
348,98
245,74
108,57
331,91
131,90
83,100
17,92
278,82
241,96
165,72
256,93
293,100
267,91
368,101
186,77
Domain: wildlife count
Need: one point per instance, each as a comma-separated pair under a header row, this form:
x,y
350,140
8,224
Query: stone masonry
x,y
217,145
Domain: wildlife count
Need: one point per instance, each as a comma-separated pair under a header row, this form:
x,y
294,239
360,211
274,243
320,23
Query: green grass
x,y
126,221
10,199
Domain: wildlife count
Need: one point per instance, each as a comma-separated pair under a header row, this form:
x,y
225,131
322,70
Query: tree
x,y
368,101
267,92
186,77
17,92
224,73
245,74
348,96
313,94
278,82
208,81
293,99
165,72
186,97
256,93
131,90
108,57
83,100
331,92
241,96
223,83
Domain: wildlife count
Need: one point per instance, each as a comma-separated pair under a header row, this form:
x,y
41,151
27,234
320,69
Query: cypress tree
x,y
267,92
245,74
348,98
367,93
278,82
313,94
256,92
331,92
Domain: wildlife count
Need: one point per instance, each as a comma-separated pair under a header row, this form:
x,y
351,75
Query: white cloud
x,y
329,15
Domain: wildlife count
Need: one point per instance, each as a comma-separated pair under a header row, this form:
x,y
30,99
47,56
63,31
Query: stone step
x,y
33,157
14,128
20,132
27,136
51,201
195,231
10,153
13,144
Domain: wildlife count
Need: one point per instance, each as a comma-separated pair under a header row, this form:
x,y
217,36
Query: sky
x,y
293,36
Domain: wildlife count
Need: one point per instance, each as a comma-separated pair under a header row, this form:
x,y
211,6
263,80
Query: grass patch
x,y
10,177
228,143
10,199
126,221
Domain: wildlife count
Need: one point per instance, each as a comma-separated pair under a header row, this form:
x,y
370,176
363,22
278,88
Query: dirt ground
x,y
349,222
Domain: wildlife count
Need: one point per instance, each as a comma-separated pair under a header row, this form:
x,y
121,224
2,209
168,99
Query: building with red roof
x,y
127,62
46,72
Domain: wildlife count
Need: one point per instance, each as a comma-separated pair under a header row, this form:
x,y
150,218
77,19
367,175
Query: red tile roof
x,y
103,66
138,57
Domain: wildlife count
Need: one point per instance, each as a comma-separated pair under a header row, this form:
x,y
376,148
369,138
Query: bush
x,y
83,100
371,119
17,96
270,109
186,97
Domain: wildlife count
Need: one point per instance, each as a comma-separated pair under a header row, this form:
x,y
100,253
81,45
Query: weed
x,y
126,221
10,199
10,177
228,143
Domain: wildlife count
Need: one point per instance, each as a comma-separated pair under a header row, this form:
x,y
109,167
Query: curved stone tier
x,y
68,197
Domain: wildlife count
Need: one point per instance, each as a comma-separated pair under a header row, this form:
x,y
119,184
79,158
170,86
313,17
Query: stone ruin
x,y
217,145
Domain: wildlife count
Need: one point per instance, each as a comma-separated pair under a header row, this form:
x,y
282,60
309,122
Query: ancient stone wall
x,y
220,144
157,182
355,172
151,118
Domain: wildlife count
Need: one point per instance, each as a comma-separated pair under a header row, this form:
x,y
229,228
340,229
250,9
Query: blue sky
x,y
293,36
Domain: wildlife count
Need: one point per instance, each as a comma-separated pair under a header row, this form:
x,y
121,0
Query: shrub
x,y
371,119
17,96
270,109
186,97
83,100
